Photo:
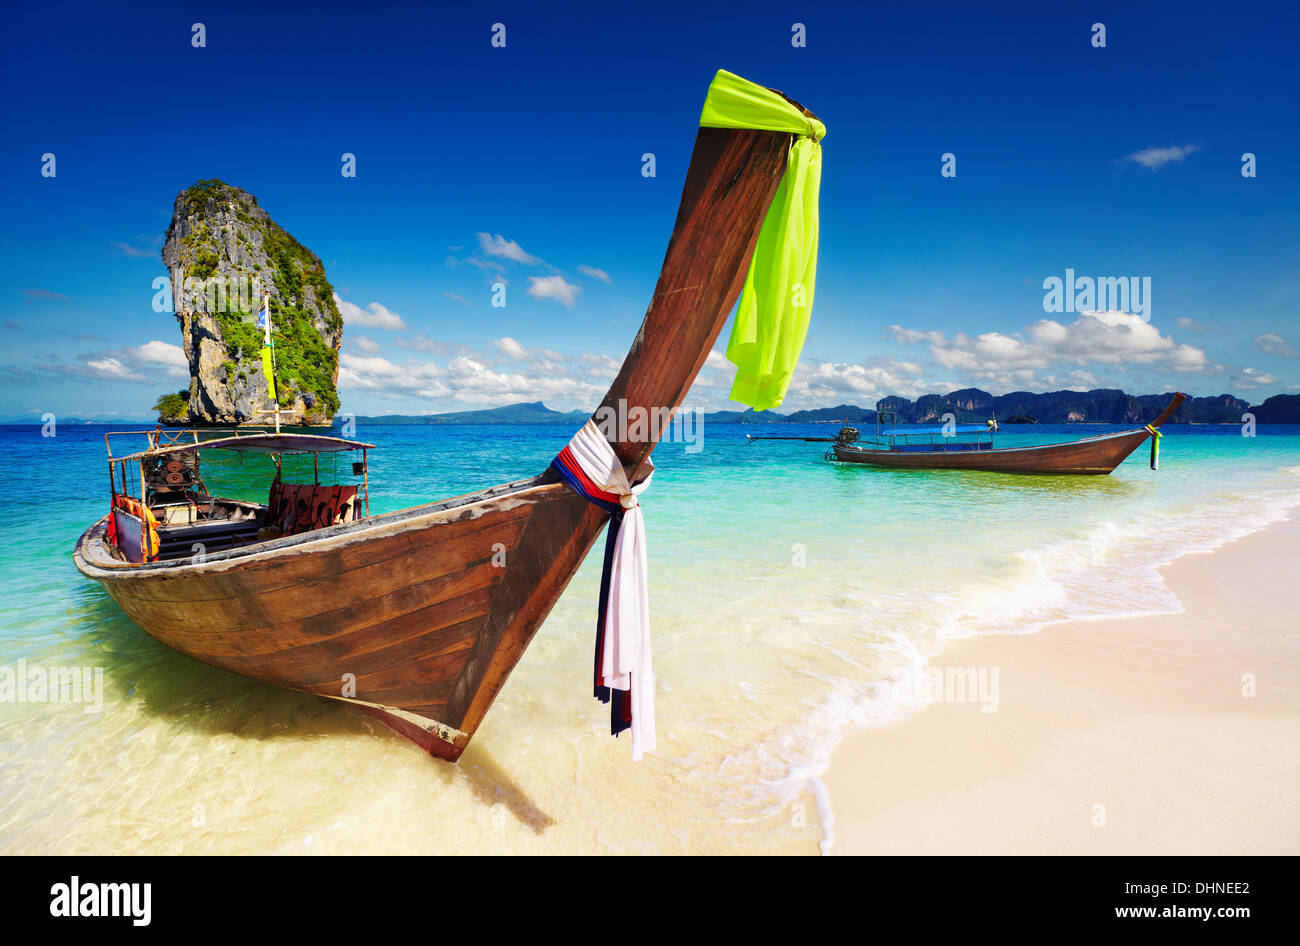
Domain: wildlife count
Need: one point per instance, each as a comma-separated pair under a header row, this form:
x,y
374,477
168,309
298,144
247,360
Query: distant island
x,y
534,412
969,405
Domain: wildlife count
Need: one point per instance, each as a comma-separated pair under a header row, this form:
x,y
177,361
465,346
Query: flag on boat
x,y
264,318
268,363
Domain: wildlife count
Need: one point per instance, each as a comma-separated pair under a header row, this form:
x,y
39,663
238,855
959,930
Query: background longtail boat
x,y
1090,456
411,602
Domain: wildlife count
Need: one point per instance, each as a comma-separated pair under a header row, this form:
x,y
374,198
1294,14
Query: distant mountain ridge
x,y
969,405
1099,406
531,412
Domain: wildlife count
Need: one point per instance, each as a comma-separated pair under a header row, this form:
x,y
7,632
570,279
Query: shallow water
x,y
789,597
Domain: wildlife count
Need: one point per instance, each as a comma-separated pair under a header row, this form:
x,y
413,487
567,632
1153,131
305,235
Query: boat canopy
x,y
258,443
934,431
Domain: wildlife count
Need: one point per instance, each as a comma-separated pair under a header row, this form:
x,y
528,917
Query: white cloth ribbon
x,y
625,659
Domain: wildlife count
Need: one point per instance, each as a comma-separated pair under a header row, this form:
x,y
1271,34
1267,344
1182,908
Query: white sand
x,y
1144,716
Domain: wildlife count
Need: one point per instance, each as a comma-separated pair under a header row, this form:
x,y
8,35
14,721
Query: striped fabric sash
x,y
624,677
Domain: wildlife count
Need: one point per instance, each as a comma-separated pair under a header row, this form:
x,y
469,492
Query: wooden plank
x,y
384,620
335,594
366,546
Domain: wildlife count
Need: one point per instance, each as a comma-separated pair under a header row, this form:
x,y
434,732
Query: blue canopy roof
x,y
936,431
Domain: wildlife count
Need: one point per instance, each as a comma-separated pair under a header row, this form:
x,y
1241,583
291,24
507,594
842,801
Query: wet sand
x,y
1116,736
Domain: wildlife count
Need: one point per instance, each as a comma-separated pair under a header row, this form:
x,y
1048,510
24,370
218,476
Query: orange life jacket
x,y
143,513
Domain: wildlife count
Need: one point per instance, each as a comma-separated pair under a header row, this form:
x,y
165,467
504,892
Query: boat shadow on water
x,y
199,698
979,484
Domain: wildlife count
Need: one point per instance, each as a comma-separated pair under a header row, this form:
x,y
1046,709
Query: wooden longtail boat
x,y
900,450
411,604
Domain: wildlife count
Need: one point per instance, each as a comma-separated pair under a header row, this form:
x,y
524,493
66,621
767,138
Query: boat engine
x,y
847,435
170,477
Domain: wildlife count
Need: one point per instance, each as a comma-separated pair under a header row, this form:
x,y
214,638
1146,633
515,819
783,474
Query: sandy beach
x,y
1175,734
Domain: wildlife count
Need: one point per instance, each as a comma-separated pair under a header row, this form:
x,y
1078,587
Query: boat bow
x,y
418,617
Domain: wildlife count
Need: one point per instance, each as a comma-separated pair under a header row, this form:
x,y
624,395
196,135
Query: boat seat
x,y
296,508
214,535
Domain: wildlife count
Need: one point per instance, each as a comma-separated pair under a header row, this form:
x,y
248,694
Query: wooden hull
x,y
417,616
426,611
1093,456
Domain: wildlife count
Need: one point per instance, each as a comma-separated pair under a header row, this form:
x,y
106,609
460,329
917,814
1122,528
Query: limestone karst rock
x,y
222,250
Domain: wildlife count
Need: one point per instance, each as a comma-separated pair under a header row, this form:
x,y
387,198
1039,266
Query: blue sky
x,y
1116,161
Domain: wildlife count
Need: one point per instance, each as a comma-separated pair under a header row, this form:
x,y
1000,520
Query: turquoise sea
x,y
789,594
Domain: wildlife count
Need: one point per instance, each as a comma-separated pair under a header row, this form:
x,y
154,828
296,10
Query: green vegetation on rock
x,y
219,231
173,408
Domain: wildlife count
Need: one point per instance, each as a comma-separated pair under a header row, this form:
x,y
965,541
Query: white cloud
x,y
1248,378
159,353
595,273
107,369
1048,352
490,266
823,384
422,342
820,383
473,381
1274,344
545,358
1113,338
456,298
554,287
368,346
133,251
374,315
1191,325
510,348
32,294
374,373
718,361
150,362
137,252
1156,158
470,379
497,245
599,366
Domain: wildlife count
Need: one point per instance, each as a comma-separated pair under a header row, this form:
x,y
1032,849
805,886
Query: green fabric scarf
x,y
772,318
